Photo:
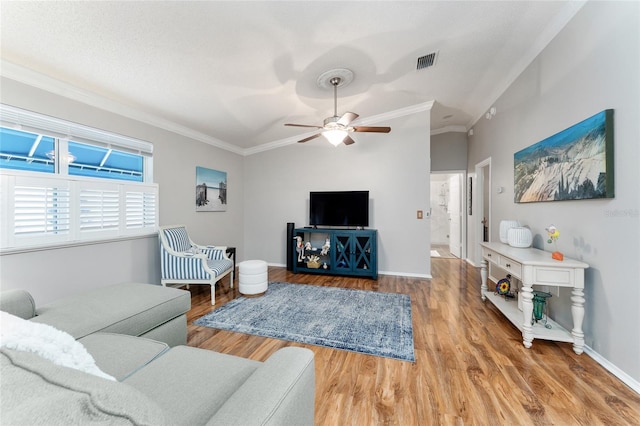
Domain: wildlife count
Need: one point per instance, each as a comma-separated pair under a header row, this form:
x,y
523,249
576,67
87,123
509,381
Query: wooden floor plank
x,y
471,367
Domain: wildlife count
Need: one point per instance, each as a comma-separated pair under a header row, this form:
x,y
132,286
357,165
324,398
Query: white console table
x,y
536,267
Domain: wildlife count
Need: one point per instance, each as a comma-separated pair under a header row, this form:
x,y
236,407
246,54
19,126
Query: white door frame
x,y
479,196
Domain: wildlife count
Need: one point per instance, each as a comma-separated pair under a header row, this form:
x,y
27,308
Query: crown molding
x,y
277,144
36,79
449,129
390,115
33,78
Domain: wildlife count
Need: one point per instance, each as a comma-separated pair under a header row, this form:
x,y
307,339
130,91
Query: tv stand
x,y
351,252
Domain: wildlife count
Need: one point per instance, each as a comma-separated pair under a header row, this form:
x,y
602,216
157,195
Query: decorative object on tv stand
x,y
520,237
299,248
313,262
325,248
553,238
505,225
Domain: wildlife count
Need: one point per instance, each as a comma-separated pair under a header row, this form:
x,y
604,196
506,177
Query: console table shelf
x,y
509,309
351,252
536,267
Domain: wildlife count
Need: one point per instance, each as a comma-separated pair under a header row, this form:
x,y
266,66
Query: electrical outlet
x,y
419,214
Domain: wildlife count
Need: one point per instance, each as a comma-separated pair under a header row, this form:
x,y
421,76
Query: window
x,y
108,163
25,151
83,185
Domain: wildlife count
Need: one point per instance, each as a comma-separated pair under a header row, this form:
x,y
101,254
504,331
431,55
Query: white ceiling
x,y
233,72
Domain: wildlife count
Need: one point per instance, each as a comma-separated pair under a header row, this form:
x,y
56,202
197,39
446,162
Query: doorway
x,y
482,221
447,207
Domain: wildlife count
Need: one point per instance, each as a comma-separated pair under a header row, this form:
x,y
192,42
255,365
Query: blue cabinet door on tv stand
x,y
352,252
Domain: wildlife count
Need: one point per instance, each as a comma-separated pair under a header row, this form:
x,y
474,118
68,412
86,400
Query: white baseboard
x,y
621,375
470,262
405,274
400,274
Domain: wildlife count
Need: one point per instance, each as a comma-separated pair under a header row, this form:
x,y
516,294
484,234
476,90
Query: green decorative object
x,y
539,304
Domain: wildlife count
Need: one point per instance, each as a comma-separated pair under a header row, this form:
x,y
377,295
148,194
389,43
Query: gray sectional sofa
x,y
136,333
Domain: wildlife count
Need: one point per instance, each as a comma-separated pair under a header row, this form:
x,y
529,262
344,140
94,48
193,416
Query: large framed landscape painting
x,y
211,190
575,164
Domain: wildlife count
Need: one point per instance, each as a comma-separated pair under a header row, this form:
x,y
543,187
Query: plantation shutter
x,y
99,207
41,209
140,209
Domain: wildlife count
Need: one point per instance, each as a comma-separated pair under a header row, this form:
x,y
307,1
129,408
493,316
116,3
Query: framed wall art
x,y
211,190
575,164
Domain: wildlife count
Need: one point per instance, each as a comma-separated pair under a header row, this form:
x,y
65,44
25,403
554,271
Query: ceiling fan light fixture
x,y
336,129
335,137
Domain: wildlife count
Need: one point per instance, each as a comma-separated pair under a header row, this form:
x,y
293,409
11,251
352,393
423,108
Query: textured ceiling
x,y
237,71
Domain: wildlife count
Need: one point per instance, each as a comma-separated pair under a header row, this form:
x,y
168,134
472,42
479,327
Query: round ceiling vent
x,y
345,76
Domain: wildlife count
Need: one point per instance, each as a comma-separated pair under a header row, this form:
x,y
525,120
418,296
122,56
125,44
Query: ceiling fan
x,y
336,129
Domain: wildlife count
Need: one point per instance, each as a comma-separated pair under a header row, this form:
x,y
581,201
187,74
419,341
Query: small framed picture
x,y
211,190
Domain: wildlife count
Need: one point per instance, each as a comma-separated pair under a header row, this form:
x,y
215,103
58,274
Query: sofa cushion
x,y
37,392
192,384
18,302
128,308
172,332
46,341
280,392
120,355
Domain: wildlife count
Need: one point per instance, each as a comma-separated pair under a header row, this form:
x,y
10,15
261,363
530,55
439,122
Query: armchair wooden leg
x,y
213,294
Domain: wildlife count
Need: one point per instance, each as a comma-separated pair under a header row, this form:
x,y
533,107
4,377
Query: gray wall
x,y
449,152
592,65
53,274
277,186
394,168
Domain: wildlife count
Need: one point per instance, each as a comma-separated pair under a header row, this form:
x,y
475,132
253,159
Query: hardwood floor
x,y
471,367
442,250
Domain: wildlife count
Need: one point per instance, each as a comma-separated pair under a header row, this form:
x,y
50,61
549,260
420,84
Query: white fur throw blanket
x,y
48,342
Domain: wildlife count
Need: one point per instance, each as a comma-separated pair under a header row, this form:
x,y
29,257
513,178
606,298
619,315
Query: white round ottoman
x,y
253,279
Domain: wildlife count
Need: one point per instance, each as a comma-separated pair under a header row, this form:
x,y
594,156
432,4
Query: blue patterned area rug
x,y
355,320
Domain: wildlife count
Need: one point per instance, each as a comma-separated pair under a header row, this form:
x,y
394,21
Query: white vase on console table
x,y
505,225
519,236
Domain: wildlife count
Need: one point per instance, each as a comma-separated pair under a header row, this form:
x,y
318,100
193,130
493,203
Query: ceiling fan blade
x,y
348,141
309,138
347,118
372,129
303,125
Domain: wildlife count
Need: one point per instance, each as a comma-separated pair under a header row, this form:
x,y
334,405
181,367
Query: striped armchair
x,y
184,262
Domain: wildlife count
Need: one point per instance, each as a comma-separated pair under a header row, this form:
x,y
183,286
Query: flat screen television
x,y
339,208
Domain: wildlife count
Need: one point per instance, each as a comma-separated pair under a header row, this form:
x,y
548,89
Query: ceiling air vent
x,y
426,61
